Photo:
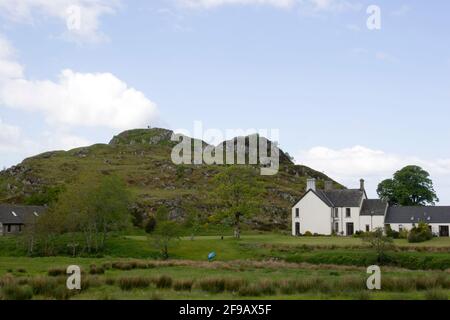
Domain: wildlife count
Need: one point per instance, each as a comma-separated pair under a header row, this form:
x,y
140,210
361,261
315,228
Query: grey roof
x,y
341,198
374,207
417,214
12,214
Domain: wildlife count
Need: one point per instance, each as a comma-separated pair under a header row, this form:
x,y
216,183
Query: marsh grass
x,y
130,283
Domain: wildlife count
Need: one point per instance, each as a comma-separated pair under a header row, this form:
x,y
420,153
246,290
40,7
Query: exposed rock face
x,y
142,136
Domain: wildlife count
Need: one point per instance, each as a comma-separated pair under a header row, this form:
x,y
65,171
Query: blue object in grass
x,y
212,256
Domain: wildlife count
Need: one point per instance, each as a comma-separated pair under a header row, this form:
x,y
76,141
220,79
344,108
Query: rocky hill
x,y
142,158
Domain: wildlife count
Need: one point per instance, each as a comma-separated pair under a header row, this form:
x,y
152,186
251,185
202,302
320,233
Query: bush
x,y
16,292
43,285
391,233
150,224
263,288
212,285
308,234
420,233
183,285
96,270
163,282
436,295
129,283
358,234
403,234
55,272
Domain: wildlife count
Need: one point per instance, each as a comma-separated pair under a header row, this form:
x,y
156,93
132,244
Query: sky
x,y
348,100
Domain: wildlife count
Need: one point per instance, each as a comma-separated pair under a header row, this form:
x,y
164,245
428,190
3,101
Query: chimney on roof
x,y
328,185
311,184
362,186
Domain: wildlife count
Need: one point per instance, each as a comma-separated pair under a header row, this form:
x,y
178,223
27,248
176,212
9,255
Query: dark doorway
x,y
350,229
297,228
443,231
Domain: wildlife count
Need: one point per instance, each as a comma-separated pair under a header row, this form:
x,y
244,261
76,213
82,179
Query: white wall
x,y
315,215
374,222
342,219
409,226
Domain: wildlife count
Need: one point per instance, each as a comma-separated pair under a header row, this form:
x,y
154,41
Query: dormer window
x,y
336,212
348,212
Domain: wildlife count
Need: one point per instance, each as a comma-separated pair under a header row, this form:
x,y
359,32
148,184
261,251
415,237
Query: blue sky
x,y
348,101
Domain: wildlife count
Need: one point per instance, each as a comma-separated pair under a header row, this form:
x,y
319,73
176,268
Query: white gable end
x,y
311,214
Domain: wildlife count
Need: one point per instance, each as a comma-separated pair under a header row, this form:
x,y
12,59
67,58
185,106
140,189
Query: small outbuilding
x,y
13,218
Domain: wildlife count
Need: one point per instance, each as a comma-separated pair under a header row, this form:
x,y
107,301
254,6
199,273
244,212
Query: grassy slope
x,y
151,176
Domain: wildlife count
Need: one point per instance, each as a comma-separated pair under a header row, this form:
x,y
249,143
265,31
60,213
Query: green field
x,y
259,266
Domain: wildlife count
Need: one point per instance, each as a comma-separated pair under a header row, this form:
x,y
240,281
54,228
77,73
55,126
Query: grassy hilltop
x,y
142,158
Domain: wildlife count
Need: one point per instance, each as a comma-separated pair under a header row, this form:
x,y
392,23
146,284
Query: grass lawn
x,y
272,277
266,266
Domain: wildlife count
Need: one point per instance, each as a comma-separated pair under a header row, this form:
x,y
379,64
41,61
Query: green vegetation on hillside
x,y
142,159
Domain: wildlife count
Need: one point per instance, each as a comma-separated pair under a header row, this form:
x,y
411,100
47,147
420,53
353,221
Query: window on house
x,y
336,227
367,228
297,212
8,228
400,228
348,212
336,212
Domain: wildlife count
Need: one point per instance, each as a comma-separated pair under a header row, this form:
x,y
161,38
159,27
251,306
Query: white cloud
x,y
81,99
16,145
10,137
8,67
76,99
310,5
348,165
28,11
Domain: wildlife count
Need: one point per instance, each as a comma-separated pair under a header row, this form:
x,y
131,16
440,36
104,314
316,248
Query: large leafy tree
x,y
94,206
410,186
239,191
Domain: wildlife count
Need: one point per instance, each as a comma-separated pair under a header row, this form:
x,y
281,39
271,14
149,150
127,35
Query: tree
x,y
379,242
95,206
193,221
167,233
239,191
411,186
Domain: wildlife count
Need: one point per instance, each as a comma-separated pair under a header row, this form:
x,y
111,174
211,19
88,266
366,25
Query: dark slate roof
x,y
373,207
11,214
341,198
417,214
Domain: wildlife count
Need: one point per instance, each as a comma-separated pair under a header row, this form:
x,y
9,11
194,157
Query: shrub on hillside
x,y
308,234
420,233
150,225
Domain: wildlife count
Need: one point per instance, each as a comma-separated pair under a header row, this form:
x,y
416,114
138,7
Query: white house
x,y
343,212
